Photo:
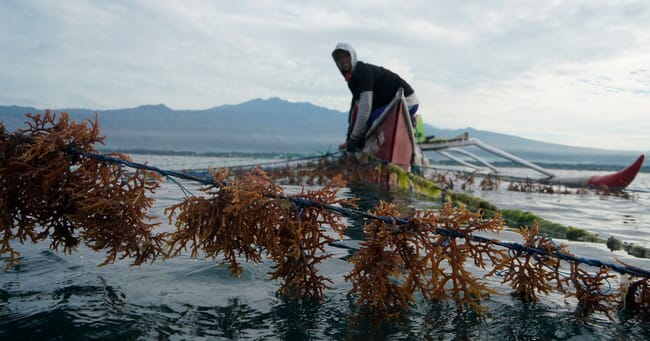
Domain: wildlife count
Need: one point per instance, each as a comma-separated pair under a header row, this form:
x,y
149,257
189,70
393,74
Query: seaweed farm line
x,y
52,294
624,218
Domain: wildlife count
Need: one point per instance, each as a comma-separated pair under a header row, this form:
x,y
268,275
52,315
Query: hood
x,y
353,54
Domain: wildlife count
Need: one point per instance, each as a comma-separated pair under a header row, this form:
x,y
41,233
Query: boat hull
x,y
390,138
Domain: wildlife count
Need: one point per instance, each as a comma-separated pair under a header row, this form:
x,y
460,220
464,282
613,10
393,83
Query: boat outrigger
x,y
391,138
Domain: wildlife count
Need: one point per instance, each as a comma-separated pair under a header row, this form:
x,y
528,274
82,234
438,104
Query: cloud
x,y
568,72
575,103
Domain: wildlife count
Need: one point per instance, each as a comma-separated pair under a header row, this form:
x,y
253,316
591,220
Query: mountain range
x,y
276,125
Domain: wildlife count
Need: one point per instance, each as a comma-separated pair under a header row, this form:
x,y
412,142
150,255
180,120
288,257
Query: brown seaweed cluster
x,y
529,274
395,260
50,190
636,297
250,217
46,193
467,182
321,171
489,184
591,291
529,186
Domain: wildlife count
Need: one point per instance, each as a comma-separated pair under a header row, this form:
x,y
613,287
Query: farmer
x,y
372,87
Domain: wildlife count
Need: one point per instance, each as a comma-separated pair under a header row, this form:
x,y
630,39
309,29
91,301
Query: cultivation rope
x,y
284,162
357,214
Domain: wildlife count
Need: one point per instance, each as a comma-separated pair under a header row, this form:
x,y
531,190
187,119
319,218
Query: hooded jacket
x,y
372,87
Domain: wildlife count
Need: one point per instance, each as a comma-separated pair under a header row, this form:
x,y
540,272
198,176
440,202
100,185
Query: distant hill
x,y
275,125
271,125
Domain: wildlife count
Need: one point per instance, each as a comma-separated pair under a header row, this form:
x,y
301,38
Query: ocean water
x,y
52,295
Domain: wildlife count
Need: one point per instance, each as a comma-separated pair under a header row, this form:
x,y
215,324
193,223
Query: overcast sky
x,y
570,72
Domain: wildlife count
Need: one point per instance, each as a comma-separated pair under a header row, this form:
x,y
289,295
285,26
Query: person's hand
x,y
354,145
342,146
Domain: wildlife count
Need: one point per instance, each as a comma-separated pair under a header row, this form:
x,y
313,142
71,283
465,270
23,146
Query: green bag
x,y
419,130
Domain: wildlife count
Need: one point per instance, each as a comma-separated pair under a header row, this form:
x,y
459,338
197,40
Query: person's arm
x,y
351,118
363,113
363,85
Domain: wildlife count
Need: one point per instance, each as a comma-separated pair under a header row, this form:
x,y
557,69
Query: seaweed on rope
x,y
68,198
529,274
398,259
252,217
55,186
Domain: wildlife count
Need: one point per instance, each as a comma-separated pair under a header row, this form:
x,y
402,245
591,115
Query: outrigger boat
x,y
391,139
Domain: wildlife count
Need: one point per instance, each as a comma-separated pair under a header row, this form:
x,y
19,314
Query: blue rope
x,y
167,173
186,192
357,214
299,210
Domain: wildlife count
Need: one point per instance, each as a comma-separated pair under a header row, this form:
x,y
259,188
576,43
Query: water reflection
x,y
296,320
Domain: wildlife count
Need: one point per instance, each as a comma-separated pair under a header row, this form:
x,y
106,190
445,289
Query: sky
x,y
568,72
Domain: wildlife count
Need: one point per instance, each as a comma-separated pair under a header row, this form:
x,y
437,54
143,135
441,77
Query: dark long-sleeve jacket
x,y
372,87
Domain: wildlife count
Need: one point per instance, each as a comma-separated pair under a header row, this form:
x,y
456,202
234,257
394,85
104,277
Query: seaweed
x,y
251,217
47,193
396,260
530,274
52,189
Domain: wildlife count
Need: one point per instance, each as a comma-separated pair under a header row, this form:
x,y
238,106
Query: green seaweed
x,y
407,181
473,203
516,219
638,251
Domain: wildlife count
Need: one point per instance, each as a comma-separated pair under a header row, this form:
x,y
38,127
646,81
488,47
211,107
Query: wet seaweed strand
x,y
55,186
